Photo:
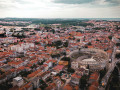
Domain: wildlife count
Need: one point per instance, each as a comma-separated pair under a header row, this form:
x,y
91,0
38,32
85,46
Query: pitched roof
x,y
67,87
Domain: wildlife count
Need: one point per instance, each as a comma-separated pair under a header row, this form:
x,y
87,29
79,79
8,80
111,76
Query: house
x,y
94,86
8,74
67,87
33,74
2,60
57,81
94,77
58,68
75,78
52,86
16,64
35,82
70,86
49,63
3,78
18,81
74,65
65,63
45,75
2,64
13,72
27,86
45,67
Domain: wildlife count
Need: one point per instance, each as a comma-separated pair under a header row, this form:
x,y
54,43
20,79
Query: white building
x,y
18,81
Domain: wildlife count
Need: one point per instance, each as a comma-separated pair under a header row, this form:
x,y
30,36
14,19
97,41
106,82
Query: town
x,y
59,54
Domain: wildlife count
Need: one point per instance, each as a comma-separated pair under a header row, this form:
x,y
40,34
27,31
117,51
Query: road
x,y
111,68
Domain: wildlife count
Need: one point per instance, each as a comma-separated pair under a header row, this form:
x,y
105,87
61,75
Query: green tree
x,y
66,44
83,82
89,43
110,37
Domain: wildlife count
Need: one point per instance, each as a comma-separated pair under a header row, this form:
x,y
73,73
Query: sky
x,y
60,8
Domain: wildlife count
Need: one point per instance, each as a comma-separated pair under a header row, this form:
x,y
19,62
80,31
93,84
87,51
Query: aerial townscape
x,y
59,44
59,54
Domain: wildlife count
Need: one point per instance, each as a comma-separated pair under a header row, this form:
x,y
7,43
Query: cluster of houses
x,y
37,56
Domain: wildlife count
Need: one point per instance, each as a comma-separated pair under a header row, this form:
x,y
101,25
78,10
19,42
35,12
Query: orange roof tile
x,y
67,87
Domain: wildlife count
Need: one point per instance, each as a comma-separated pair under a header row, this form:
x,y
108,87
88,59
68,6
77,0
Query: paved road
x,y
111,68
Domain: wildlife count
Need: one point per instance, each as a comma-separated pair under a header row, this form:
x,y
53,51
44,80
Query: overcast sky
x,y
60,8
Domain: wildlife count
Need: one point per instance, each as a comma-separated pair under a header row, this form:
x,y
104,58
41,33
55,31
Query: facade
x,y
95,58
18,81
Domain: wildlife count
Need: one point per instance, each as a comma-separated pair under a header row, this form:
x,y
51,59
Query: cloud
x,y
115,2
23,1
73,1
60,8
4,4
92,2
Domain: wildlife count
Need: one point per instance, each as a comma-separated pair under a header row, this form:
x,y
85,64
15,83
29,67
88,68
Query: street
x,y
111,68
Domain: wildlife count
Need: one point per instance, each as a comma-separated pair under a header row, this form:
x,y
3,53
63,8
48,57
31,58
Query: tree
x,y
97,40
37,29
117,55
83,82
24,73
43,84
70,70
110,37
78,40
114,83
67,59
117,44
57,43
34,66
53,31
102,74
41,63
118,64
1,72
37,42
55,55
88,67
65,44
89,43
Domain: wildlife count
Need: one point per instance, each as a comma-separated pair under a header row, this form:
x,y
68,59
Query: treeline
x,y
22,25
74,22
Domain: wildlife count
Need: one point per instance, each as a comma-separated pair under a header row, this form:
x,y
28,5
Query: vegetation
x,y
43,85
66,44
55,55
37,29
5,86
114,82
41,63
18,35
102,74
117,44
37,42
117,55
118,64
34,66
110,37
63,22
3,35
24,73
99,28
83,82
70,70
89,43
1,72
57,43
69,64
